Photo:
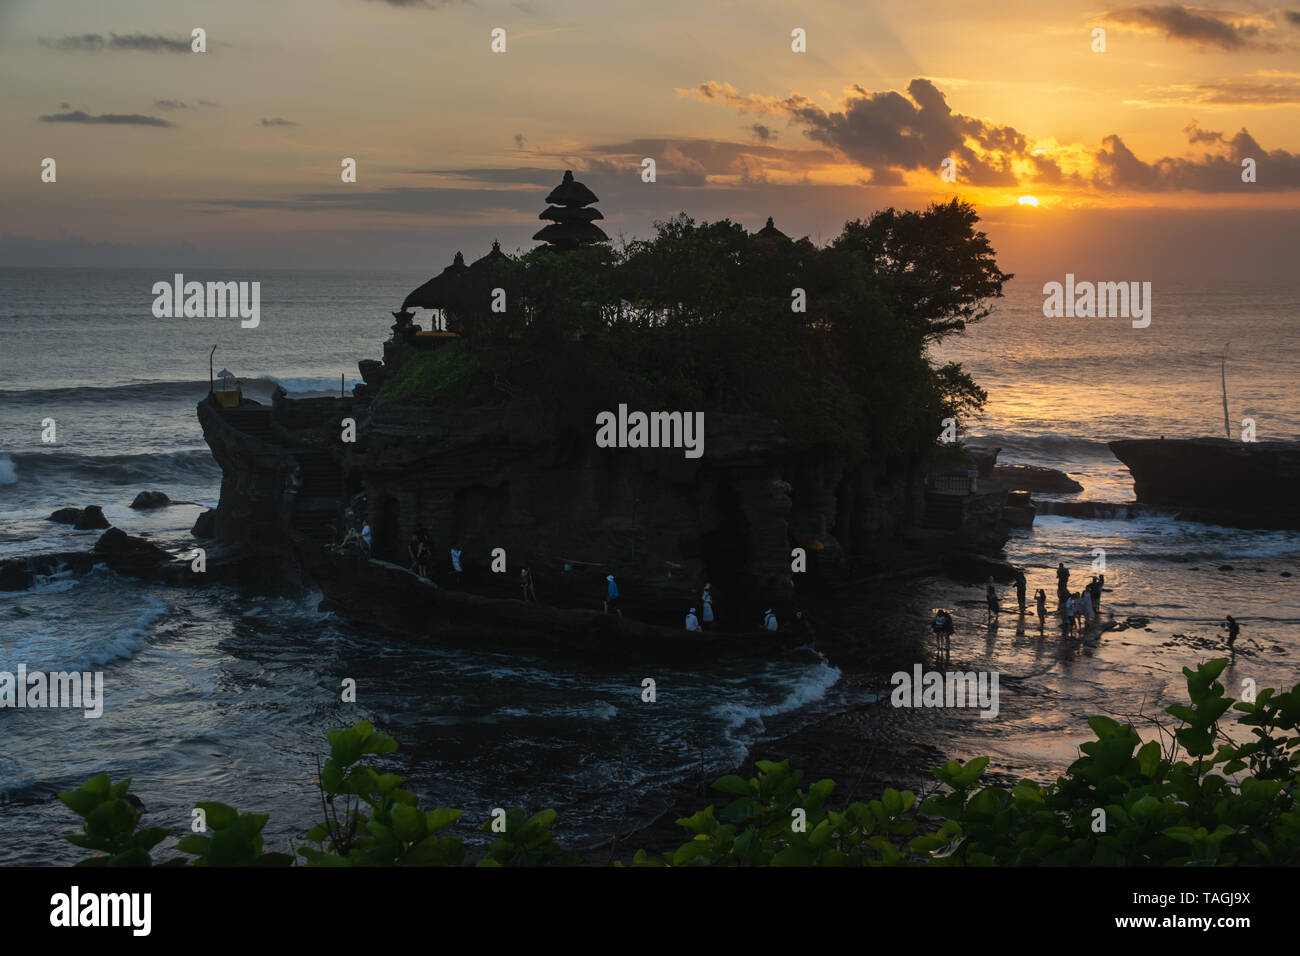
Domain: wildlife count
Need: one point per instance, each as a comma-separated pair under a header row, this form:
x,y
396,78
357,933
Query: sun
x,y
1028,200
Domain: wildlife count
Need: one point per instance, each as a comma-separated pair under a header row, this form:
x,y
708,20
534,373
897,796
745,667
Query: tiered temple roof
x,y
571,224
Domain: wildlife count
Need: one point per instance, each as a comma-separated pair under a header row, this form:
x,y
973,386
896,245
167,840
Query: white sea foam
x,y
7,474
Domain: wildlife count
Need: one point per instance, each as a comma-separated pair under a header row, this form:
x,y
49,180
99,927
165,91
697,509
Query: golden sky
x,y
167,156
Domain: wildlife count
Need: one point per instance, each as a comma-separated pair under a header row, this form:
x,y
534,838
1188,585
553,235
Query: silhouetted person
x,y
1233,629
1040,599
611,595
991,599
1062,579
1020,589
526,584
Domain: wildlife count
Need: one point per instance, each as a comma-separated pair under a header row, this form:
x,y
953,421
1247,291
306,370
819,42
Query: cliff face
x,y
511,477
503,477
1252,484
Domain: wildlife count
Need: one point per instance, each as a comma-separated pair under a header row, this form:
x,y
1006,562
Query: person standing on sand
x,y
1020,590
692,622
1069,614
706,602
1040,599
769,620
455,564
1096,591
991,599
367,537
1062,580
611,595
1088,613
1233,629
526,583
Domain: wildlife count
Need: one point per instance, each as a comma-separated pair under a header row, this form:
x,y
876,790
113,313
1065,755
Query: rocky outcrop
x,y
91,519
150,499
65,515
1035,478
1245,484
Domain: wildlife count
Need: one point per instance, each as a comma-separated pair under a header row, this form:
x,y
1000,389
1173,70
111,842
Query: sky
x,y
231,158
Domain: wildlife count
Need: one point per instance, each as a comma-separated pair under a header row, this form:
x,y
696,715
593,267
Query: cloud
x,y
1292,16
1214,172
109,119
276,121
691,162
764,134
94,42
520,142
426,4
1227,30
169,105
504,176
889,134
1267,89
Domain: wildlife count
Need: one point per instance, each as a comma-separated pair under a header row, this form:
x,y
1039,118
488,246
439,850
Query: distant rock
x,y
1214,480
14,577
1035,478
65,516
90,519
150,499
128,555
205,525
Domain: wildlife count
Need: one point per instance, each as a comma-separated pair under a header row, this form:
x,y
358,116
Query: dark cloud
x,y
169,105
889,133
93,42
1292,16
1224,29
109,119
1217,172
513,176
764,134
690,162
520,141
426,4
276,121
422,201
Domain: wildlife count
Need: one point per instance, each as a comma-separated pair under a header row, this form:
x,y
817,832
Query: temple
x,y
571,222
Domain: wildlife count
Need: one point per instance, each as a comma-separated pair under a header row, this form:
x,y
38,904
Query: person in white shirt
x,y
692,622
769,620
706,601
455,563
366,536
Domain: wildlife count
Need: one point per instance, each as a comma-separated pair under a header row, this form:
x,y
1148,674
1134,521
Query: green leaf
x,y
733,784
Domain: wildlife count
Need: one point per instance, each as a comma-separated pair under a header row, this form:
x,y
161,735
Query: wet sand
x,y
1049,685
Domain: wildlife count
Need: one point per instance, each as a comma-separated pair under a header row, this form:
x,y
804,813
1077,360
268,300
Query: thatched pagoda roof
x,y
770,232
434,293
571,233
570,192
570,214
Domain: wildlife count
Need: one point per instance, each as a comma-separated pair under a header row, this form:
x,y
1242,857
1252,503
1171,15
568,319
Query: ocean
x,y
216,695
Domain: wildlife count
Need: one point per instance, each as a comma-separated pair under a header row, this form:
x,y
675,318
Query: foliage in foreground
x,y
1123,803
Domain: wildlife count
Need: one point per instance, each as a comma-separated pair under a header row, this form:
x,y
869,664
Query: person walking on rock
x,y
706,602
611,595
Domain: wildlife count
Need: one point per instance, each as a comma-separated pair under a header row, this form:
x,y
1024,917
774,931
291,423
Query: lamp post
x,y
210,354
